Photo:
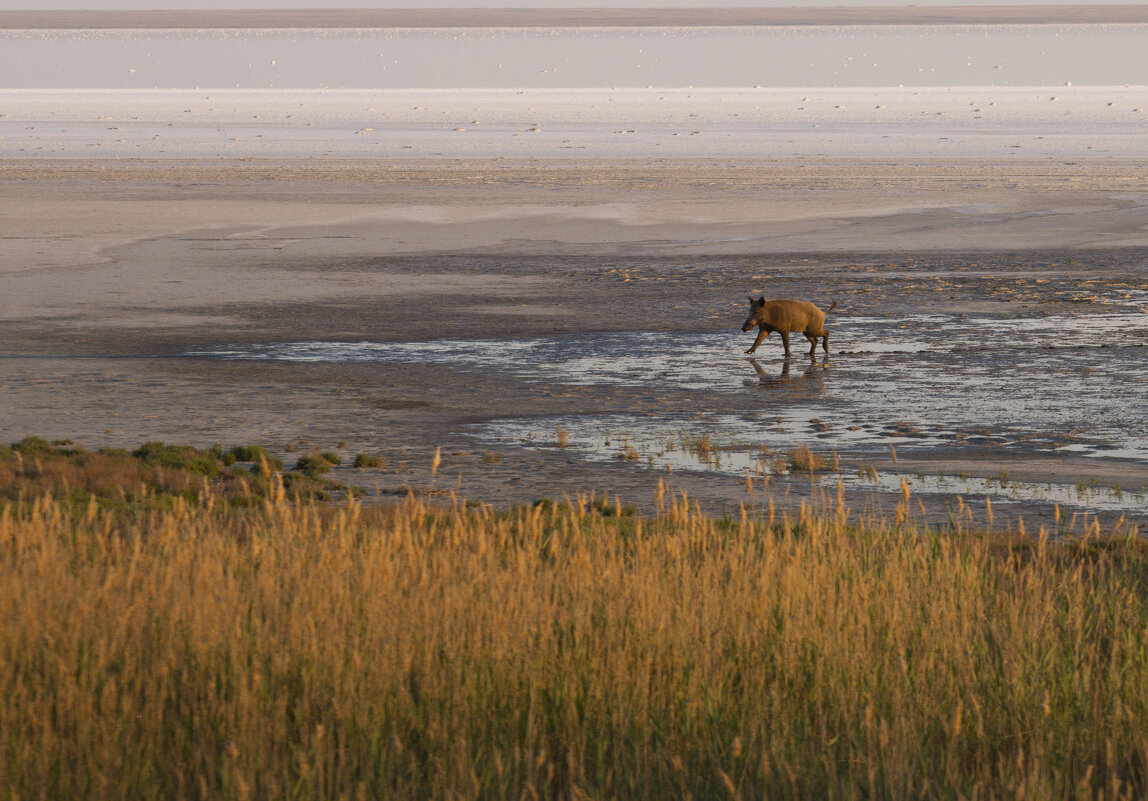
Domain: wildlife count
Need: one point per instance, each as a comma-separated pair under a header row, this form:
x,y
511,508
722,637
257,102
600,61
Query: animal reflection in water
x,y
811,379
786,317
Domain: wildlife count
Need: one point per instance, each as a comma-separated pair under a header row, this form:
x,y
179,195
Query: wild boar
x,y
786,316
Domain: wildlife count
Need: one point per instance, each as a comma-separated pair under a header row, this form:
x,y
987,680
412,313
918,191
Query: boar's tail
x,y
832,306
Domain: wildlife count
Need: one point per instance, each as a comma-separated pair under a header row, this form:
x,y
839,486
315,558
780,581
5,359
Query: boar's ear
x,y
761,301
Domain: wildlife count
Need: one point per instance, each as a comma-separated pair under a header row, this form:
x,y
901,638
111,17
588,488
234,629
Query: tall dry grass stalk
x,y
300,651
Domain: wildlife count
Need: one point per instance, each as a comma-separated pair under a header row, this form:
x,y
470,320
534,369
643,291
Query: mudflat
x,y
563,326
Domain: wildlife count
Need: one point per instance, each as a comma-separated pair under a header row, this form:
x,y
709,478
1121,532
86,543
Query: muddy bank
x,y
596,346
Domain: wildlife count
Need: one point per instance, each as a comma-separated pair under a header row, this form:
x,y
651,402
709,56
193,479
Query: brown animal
x,y
786,316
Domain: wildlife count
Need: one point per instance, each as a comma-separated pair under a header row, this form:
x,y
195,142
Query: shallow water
x,y
918,382
564,58
743,448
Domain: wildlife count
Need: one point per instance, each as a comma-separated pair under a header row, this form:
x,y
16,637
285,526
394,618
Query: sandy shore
x,y
577,17
114,271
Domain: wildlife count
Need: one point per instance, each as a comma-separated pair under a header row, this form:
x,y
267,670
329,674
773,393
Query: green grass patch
x,y
151,476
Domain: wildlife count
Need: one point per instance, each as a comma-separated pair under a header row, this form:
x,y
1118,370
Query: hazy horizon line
x,y
843,15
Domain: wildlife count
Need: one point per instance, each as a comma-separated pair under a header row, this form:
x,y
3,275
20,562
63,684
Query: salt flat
x,y
574,58
990,124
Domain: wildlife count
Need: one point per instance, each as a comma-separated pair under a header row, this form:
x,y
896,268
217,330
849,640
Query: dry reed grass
x,y
803,460
307,651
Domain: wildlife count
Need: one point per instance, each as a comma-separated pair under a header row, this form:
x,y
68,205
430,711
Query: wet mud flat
x,y
990,386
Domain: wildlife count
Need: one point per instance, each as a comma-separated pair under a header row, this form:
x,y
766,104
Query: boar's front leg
x,y
762,334
785,341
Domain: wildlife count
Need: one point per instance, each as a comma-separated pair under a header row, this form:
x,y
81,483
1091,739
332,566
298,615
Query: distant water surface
x,y
950,55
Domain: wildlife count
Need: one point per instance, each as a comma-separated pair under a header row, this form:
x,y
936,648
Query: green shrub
x,y
182,457
253,453
313,465
32,446
364,460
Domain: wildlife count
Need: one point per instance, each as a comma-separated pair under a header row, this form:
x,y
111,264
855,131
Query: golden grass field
x,y
175,643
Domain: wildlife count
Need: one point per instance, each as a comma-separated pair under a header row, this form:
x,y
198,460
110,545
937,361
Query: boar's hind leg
x,y
824,340
812,339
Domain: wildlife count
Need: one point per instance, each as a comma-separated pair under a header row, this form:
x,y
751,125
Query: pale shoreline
x,y
883,124
577,17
